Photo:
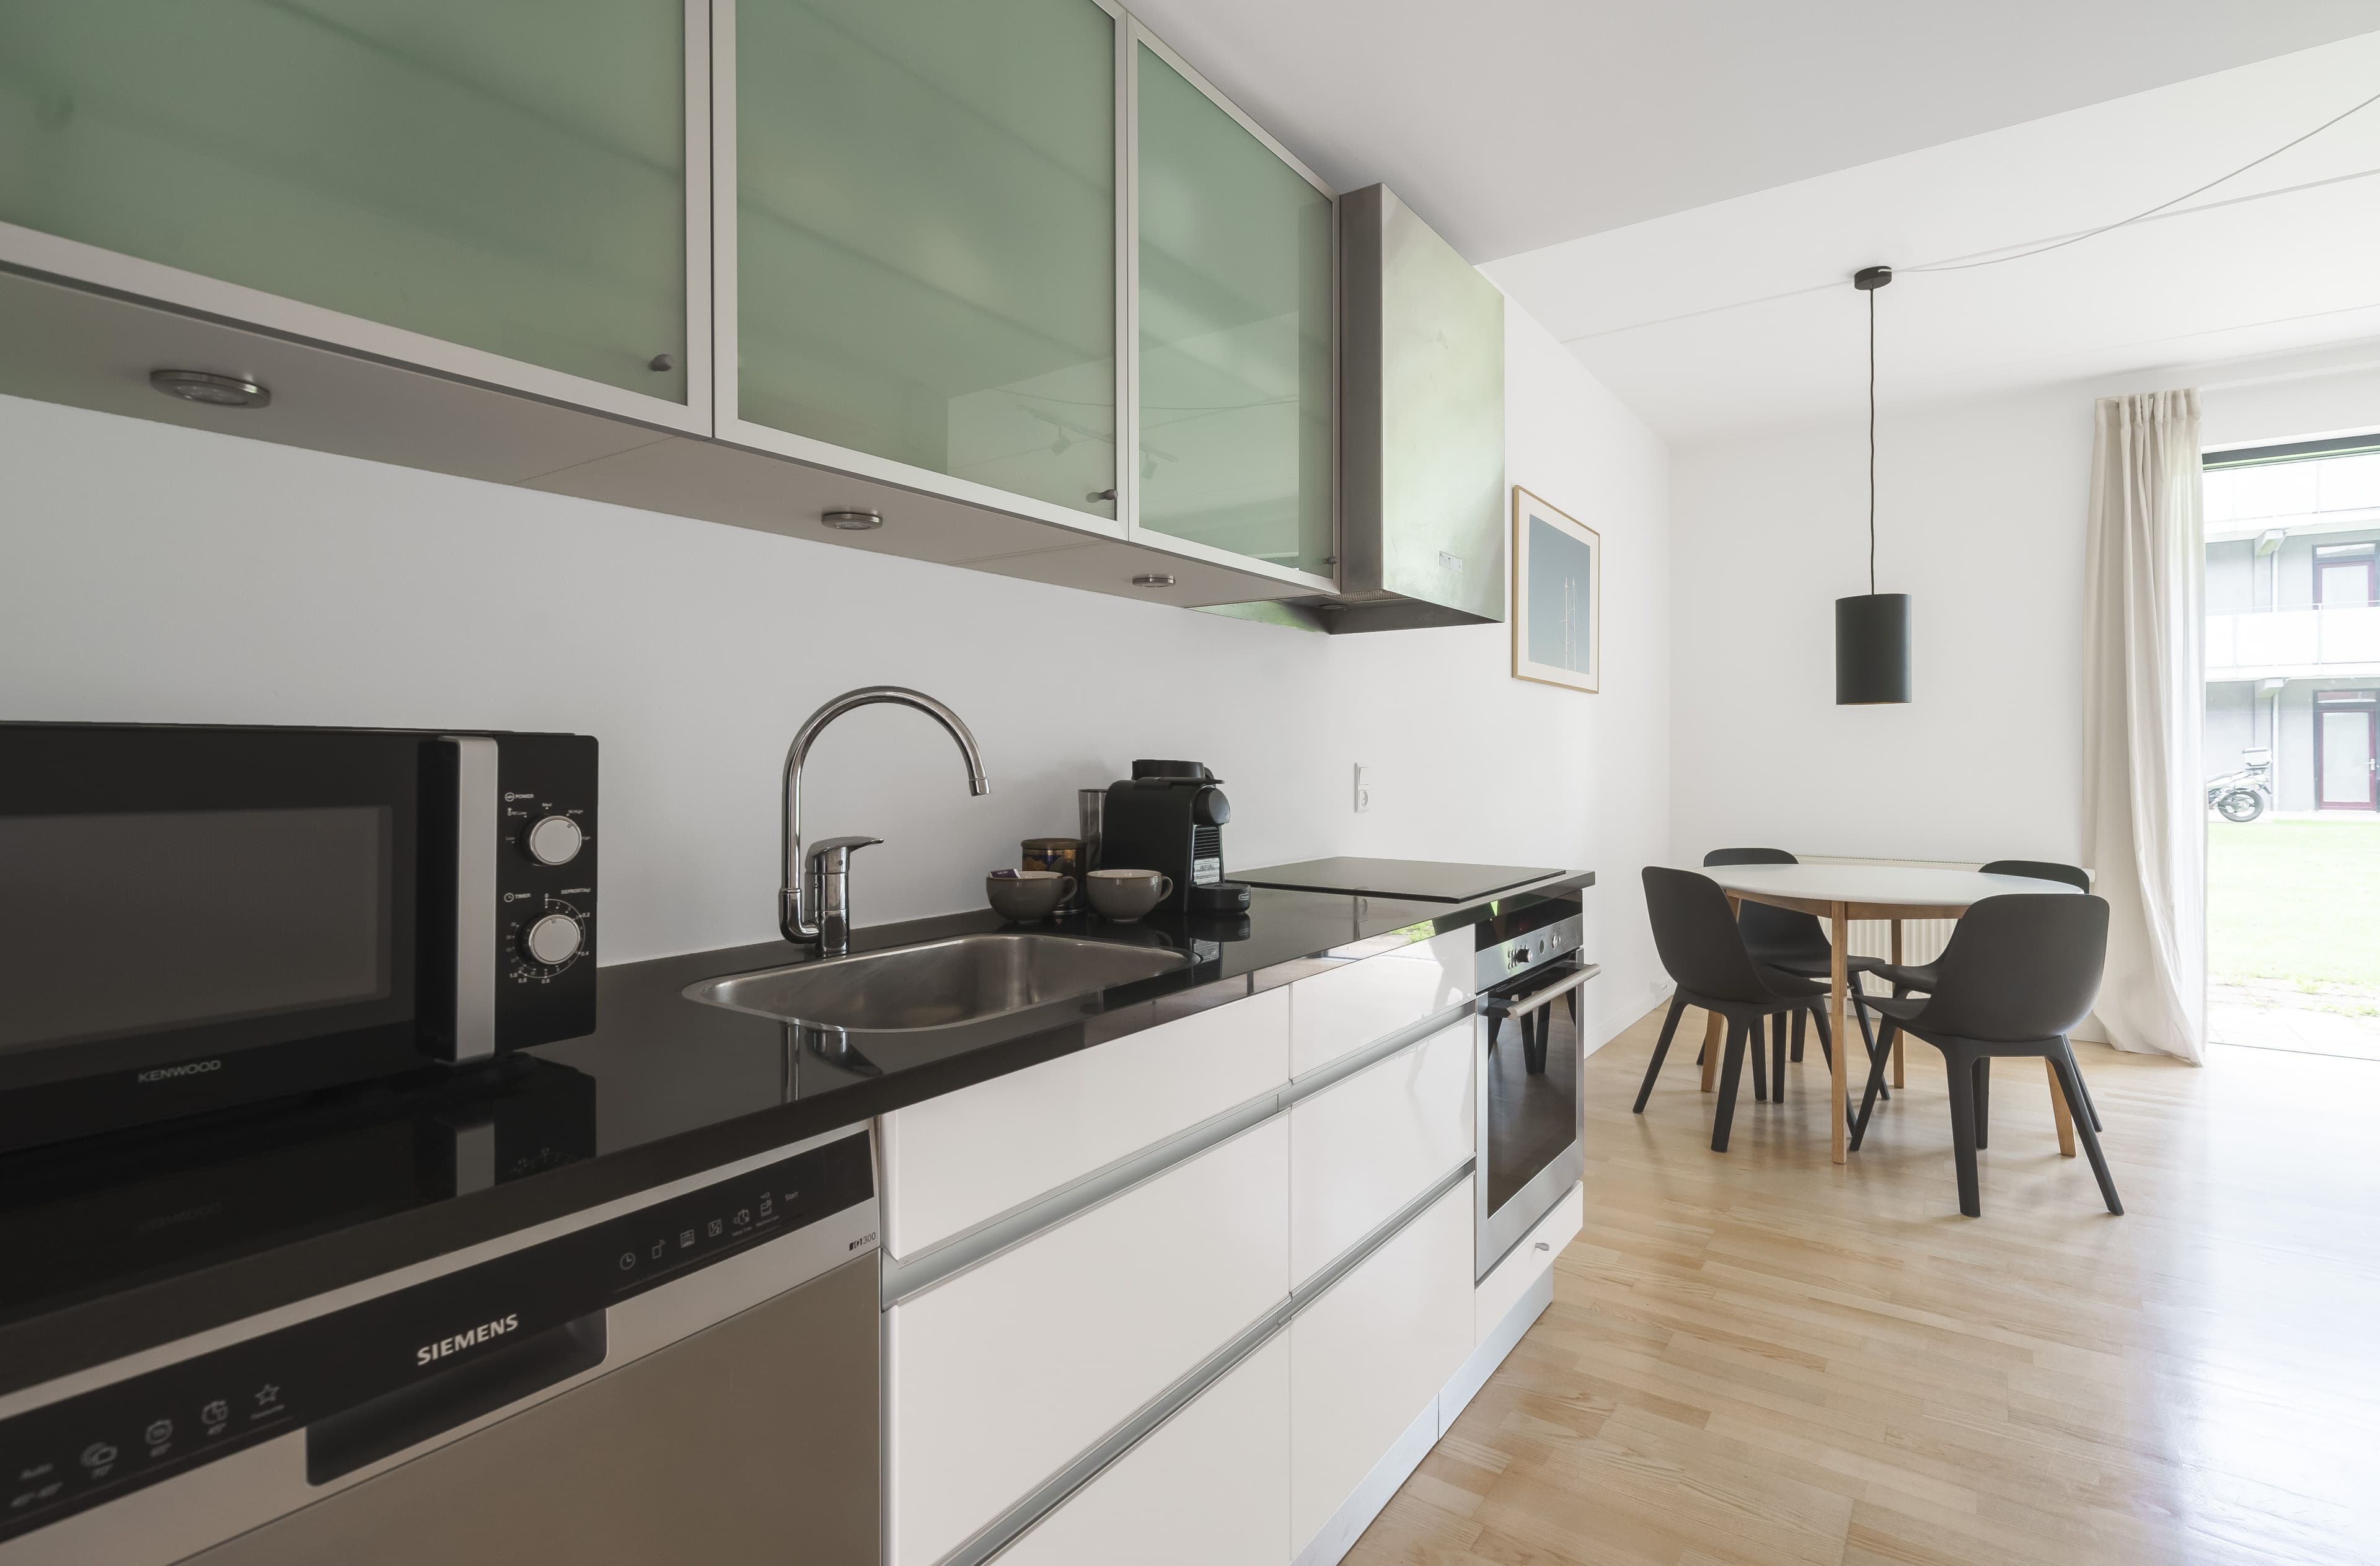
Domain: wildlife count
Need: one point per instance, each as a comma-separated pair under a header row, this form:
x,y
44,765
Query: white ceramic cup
x,y
1126,896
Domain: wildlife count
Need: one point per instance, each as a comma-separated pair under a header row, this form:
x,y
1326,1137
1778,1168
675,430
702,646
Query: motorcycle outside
x,y
2247,794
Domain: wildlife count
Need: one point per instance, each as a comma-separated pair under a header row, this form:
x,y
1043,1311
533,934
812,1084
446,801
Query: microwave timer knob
x,y
555,840
554,940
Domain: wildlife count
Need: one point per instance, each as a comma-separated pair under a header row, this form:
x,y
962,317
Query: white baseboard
x,y
1331,1545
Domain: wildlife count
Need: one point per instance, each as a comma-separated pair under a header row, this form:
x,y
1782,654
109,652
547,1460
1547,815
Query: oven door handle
x,y
1521,1006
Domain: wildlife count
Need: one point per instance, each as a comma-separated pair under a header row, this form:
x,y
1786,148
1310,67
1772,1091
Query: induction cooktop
x,y
1424,880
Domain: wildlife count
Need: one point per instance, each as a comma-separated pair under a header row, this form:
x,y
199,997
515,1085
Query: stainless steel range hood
x,y
1421,426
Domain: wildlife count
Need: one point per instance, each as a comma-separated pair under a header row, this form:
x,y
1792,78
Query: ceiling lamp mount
x,y
1872,629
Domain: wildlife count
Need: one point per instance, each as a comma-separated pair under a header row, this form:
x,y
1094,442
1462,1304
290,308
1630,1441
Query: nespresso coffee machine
x,y
1169,817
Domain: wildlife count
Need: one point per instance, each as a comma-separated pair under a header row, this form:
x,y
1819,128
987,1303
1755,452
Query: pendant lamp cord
x,y
1871,443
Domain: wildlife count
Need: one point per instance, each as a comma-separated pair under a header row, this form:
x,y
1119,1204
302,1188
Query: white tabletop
x,y
1912,885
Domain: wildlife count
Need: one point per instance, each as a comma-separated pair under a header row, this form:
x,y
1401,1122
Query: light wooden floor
x,y
1755,1356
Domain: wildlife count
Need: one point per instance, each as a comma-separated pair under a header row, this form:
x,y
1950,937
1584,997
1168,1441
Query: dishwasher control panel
x,y
370,1379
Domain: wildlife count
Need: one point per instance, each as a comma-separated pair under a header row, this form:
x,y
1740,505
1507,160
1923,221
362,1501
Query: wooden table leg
x,y
1900,1080
2058,1107
1840,1092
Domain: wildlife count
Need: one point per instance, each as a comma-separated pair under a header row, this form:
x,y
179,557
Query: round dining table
x,y
1840,893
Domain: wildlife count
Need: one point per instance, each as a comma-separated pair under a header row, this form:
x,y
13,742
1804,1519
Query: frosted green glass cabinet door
x,y
1235,323
508,174
926,243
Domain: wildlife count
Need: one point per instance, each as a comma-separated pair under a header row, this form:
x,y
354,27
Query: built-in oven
x,y
1531,1110
192,917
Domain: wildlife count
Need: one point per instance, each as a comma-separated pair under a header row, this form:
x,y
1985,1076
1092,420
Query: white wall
x,y
1981,519
160,575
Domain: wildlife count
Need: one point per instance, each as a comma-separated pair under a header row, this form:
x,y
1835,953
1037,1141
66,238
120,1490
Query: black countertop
x,y
119,1243
1424,879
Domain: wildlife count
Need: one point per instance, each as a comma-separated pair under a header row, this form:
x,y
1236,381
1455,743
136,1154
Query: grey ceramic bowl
x,y
1023,896
1126,896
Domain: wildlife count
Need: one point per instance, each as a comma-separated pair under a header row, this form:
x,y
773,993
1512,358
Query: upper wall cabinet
x,y
1235,318
926,239
493,190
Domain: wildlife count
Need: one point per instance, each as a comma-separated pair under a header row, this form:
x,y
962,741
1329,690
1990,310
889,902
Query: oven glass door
x,y
173,893
1529,1068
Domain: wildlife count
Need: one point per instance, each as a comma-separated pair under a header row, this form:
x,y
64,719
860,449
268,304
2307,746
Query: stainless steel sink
x,y
940,984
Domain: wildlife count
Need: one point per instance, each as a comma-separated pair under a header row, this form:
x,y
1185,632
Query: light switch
x,y
1363,787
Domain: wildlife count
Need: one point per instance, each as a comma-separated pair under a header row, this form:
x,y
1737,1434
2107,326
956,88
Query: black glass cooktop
x,y
1424,880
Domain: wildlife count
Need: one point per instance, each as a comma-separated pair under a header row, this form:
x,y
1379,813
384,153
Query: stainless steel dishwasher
x,y
689,1374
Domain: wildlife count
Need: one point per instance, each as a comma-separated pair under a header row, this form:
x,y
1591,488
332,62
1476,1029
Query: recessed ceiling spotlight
x,y
215,391
852,521
1153,579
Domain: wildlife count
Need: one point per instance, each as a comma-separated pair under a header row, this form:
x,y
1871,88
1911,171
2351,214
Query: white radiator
x,y
1921,940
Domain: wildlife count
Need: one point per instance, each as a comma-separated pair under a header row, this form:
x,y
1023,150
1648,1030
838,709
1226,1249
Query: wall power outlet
x,y
1363,787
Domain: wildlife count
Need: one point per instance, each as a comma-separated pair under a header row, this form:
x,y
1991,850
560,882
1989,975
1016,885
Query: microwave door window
x,y
122,924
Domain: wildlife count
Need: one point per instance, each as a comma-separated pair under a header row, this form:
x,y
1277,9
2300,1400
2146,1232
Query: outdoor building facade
x,y
2293,626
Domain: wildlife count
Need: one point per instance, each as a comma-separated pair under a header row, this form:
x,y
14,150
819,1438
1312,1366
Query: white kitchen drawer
x,y
1529,1259
1336,1013
1369,1356
1210,1488
954,1161
999,1376
1361,1148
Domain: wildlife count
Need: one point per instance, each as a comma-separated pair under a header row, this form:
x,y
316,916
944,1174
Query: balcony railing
x,y
2280,642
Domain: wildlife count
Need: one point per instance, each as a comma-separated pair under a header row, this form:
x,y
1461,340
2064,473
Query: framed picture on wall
x,y
1557,596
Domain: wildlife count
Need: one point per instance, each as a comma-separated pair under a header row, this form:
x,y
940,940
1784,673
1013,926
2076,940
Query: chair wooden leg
x,y
1660,1051
1708,1059
1798,1020
1983,1100
1757,1042
2070,1077
1875,1086
2058,1107
1731,1076
1962,1073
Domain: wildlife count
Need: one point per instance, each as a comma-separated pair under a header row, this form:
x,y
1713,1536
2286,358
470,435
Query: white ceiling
x,y
1515,124
1739,314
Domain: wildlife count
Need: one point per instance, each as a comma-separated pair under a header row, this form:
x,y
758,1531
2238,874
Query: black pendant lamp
x,y
1871,630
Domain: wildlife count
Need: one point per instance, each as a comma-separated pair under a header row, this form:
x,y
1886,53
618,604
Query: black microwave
x,y
193,917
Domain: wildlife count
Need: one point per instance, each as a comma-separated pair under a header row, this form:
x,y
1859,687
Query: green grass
x,y
2295,900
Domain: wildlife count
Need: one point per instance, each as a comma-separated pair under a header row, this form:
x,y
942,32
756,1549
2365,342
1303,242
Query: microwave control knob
x,y
554,841
554,940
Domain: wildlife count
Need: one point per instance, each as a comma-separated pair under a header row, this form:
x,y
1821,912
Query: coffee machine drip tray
x,y
1420,881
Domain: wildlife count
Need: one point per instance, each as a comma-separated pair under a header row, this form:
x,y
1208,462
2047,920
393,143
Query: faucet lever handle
x,y
833,854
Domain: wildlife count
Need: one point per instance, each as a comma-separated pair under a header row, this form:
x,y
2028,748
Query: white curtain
x,y
2145,810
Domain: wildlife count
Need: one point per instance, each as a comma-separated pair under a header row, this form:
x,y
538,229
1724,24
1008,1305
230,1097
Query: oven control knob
x,y
554,940
554,841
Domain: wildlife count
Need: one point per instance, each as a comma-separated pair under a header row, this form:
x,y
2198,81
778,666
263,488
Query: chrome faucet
x,y
814,903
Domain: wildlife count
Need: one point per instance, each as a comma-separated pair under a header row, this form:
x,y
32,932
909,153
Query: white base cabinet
x,y
1361,1148
1000,1376
1210,1488
955,1161
1336,1012
1369,1356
